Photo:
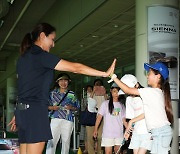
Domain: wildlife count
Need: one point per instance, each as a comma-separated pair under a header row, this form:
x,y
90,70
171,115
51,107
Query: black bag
x,y
87,118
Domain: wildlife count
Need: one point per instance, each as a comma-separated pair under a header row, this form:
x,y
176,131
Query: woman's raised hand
x,y
111,69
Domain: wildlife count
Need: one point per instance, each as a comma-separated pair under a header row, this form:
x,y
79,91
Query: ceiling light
x,y
1,23
10,1
116,26
95,36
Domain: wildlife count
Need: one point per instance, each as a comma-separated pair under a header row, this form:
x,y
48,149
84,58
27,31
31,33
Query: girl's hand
x,y
126,135
111,69
13,124
95,134
129,127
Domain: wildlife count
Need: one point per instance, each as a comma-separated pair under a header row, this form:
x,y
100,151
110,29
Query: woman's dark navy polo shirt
x,y
35,71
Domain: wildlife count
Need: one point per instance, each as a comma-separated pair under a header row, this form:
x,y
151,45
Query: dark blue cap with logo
x,y
159,66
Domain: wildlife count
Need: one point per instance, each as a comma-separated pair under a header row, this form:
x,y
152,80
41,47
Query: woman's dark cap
x,y
63,76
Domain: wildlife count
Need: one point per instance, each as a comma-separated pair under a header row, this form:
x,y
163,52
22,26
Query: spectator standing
x,y
62,115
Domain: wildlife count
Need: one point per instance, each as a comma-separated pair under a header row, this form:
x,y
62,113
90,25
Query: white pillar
x,y
142,54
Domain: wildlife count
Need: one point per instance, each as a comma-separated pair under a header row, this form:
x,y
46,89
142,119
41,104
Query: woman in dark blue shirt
x,y
35,69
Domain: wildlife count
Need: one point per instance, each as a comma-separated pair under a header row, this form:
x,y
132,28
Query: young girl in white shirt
x,y
157,105
141,139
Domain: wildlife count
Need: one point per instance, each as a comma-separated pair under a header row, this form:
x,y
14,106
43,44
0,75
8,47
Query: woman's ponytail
x,y
26,43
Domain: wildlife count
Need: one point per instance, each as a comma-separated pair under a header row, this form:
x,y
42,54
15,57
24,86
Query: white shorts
x,y
107,142
140,141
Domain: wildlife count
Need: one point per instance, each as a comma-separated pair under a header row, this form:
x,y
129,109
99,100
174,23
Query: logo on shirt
x,y
116,112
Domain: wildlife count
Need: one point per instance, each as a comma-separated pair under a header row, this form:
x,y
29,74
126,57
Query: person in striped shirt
x,y
63,103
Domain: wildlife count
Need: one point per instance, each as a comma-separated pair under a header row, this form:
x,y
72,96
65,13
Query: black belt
x,y
22,106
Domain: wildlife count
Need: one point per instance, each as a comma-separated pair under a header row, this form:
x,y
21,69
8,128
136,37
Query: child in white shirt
x,y
141,139
157,105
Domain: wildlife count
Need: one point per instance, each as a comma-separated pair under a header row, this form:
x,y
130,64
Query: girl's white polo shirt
x,y
154,107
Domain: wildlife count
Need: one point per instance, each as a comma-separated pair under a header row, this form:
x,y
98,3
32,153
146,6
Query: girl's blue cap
x,y
159,66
